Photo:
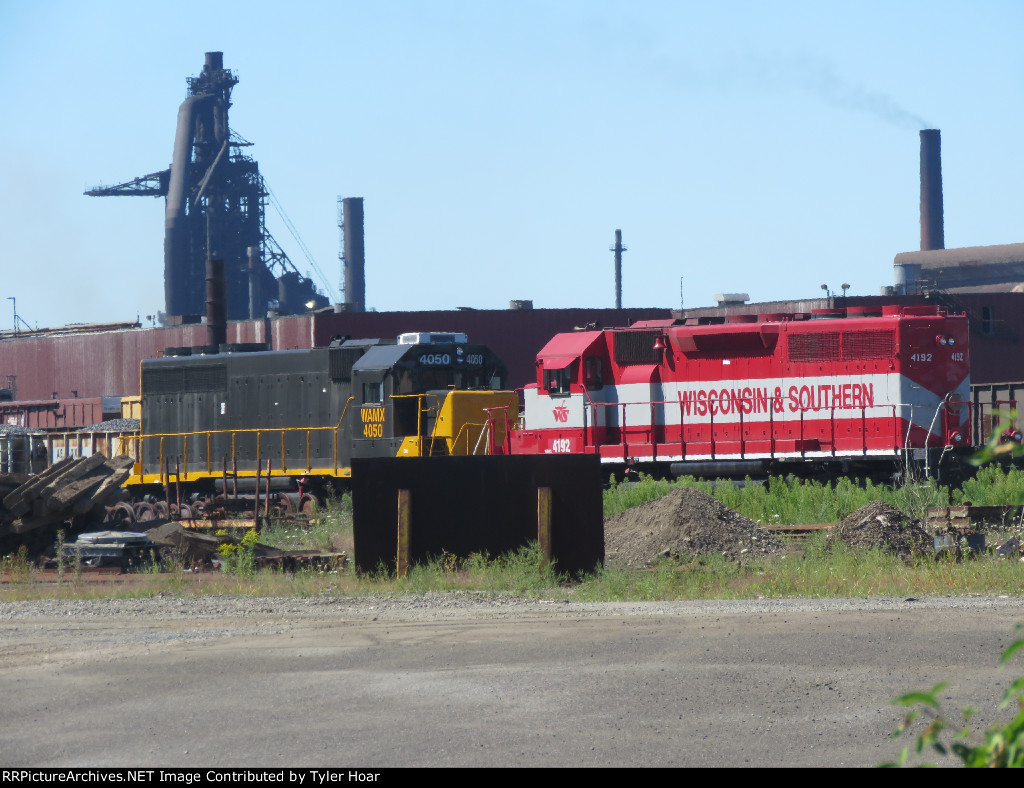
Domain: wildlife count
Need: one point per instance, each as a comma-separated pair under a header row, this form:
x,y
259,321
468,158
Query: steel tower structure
x,y
215,209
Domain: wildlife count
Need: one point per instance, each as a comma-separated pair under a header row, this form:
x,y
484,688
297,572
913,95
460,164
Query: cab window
x,y
556,381
594,373
373,392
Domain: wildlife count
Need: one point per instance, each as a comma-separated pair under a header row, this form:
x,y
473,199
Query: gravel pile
x,y
685,522
113,425
14,429
881,525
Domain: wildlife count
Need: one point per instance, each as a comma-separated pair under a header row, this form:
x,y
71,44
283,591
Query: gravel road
x,y
474,680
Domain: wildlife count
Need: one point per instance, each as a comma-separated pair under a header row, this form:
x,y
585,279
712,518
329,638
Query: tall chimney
x,y
618,249
354,253
214,61
931,191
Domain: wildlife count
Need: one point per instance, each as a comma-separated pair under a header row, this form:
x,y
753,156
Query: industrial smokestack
x,y
214,61
618,249
931,191
354,254
216,305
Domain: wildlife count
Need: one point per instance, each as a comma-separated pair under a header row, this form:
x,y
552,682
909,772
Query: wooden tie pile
x,y
76,488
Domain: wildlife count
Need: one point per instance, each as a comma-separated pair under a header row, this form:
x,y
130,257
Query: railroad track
x,y
798,530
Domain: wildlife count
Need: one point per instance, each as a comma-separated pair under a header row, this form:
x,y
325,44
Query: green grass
x,y
781,501
812,572
329,530
808,570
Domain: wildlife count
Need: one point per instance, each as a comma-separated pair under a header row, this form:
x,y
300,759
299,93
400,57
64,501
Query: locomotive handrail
x,y
506,429
802,416
207,458
434,408
140,439
464,430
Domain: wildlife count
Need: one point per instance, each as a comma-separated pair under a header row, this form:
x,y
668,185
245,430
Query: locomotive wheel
x,y
309,505
120,514
185,513
284,504
144,512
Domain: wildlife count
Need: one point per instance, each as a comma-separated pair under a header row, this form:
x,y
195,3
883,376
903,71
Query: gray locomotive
x,y
304,414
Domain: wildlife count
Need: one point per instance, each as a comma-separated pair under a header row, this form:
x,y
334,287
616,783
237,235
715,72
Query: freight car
x,y
835,391
296,418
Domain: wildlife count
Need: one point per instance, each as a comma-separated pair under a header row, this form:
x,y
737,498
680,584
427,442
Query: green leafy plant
x,y
61,563
240,558
999,446
1001,746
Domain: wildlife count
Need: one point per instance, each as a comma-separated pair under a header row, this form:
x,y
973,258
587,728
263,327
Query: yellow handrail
x,y
259,432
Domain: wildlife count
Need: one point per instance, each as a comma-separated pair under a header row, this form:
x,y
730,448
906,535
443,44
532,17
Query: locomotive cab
x,y
424,395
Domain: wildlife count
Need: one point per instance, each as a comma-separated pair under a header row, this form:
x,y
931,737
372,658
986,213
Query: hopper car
x,y
837,391
229,425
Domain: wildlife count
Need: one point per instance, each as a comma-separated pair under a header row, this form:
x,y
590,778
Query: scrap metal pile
x,y
43,515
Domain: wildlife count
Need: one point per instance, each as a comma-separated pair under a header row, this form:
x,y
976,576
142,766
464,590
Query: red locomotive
x,y
835,390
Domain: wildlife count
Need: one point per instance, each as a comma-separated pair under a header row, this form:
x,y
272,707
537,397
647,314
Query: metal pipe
x,y
266,501
256,501
176,274
735,468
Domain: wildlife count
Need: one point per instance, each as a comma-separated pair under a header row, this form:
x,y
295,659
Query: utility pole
x,y
618,249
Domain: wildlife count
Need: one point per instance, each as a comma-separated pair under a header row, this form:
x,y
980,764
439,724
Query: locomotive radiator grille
x,y
635,347
177,380
841,346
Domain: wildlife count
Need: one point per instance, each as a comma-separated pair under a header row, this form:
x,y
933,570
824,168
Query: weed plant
x,y
240,558
17,567
329,530
992,486
519,572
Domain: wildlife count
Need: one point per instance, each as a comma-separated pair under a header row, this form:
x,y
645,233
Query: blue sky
x,y
759,147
